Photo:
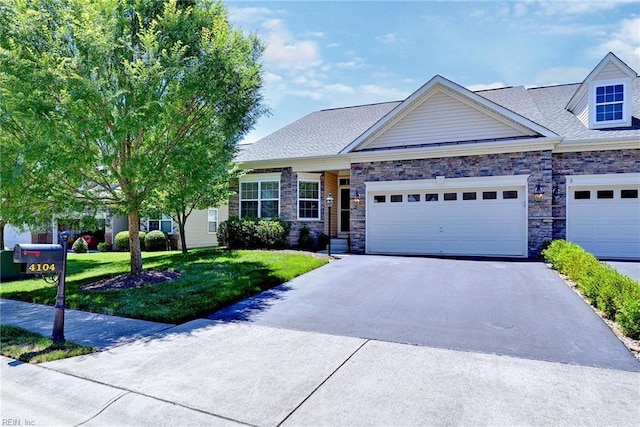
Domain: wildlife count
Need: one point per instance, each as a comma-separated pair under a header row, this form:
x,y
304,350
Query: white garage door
x,y
450,221
605,219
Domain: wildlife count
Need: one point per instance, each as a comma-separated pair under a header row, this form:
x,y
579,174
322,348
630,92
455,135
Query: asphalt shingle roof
x,y
327,132
321,133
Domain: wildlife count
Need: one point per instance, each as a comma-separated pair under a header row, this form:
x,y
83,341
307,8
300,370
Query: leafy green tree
x,y
117,95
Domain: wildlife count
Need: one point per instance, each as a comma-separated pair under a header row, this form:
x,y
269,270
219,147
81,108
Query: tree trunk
x,y
135,250
182,220
1,235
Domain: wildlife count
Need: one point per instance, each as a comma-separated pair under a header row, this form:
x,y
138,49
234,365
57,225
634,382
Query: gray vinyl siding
x,y
443,118
610,72
196,230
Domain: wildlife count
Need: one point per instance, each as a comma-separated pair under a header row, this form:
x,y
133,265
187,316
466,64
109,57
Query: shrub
x,y
305,241
143,243
122,241
272,233
323,241
615,294
104,247
156,240
629,318
80,246
251,233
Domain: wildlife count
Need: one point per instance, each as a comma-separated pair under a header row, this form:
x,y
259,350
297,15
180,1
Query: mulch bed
x,y
126,281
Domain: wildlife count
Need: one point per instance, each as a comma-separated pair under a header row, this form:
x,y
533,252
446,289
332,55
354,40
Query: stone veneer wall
x,y
586,163
535,164
288,204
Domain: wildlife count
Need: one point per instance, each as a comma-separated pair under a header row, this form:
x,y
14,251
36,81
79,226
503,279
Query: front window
x,y
212,221
160,222
260,199
609,103
308,199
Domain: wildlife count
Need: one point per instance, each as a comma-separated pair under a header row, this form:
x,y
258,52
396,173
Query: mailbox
x,y
39,259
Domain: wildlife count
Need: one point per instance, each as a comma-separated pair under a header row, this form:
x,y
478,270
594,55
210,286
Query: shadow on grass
x,y
211,279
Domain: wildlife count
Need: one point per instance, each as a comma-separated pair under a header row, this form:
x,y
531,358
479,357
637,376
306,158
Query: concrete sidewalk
x,y
213,373
95,330
209,372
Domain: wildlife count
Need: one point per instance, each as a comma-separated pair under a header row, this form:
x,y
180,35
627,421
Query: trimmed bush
x,y
253,233
629,318
305,241
323,241
143,240
122,241
104,247
155,240
615,294
80,246
272,233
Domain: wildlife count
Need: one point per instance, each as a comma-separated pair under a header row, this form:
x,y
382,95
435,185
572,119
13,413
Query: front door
x,y
345,193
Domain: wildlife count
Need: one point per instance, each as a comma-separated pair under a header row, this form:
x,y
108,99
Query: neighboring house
x,y
201,228
449,171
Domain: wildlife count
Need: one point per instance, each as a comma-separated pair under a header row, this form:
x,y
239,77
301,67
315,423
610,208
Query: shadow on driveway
x,y
520,309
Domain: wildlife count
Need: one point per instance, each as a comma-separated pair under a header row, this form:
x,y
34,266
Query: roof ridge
x,y
360,105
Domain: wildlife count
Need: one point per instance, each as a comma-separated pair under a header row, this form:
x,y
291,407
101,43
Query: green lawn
x,y
211,278
30,347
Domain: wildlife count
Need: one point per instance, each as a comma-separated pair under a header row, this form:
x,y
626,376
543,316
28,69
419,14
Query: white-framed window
x,y
609,104
260,196
160,222
212,220
308,196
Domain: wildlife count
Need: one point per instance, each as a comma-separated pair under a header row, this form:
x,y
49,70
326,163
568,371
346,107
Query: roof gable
x,y
443,112
611,67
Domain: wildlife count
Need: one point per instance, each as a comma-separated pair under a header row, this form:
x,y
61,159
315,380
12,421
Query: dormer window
x,y
609,104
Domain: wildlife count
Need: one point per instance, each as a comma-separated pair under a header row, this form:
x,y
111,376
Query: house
x,y
449,171
201,229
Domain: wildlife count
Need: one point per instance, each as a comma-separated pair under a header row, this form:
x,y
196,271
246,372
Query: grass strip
x,y
30,347
210,279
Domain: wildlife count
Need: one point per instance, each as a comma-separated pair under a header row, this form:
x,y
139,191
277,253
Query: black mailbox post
x,y
45,260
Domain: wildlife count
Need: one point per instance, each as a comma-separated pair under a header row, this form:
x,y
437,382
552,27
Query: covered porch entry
x,y
338,184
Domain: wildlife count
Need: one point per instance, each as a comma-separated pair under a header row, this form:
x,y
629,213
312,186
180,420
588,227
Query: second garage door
x,y
603,214
486,221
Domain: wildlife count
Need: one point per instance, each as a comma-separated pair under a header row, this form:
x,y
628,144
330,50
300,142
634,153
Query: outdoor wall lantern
x,y
329,206
555,193
356,200
538,193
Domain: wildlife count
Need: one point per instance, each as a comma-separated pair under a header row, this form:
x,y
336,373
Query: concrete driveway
x,y
520,309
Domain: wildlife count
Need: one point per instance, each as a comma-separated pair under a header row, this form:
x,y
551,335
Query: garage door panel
x,y
451,227
607,227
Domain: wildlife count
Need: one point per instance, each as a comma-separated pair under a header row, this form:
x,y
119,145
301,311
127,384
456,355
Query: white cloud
x,y
624,42
519,9
384,93
307,93
314,34
566,29
577,7
354,64
339,88
249,15
387,38
284,50
485,86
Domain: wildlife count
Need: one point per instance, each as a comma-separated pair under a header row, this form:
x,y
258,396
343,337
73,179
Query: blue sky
x,y
326,54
